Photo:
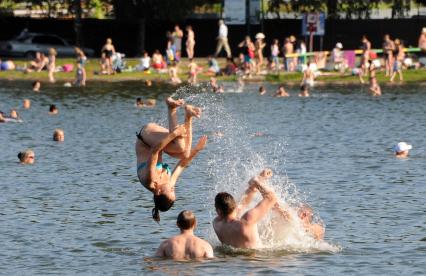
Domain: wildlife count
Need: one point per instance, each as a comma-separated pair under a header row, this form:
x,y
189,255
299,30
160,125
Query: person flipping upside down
x,y
152,141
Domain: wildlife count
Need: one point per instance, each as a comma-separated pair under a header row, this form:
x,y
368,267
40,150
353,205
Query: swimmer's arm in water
x,y
268,201
155,152
183,163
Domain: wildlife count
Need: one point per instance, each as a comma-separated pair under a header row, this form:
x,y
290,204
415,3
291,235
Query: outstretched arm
x,y
268,201
183,163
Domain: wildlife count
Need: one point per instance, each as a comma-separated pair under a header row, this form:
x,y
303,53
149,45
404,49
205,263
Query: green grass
x,y
410,76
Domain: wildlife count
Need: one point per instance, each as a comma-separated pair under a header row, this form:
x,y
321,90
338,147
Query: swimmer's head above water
x,y
26,157
402,149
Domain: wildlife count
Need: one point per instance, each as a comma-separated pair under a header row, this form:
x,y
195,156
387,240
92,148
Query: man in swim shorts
x,y
241,232
185,245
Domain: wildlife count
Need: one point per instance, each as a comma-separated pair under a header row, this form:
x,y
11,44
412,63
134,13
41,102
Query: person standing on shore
x,y
51,65
288,49
177,42
388,48
399,59
422,40
259,45
366,48
222,40
109,51
190,42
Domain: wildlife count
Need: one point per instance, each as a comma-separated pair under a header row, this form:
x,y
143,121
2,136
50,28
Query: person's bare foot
x,y
192,111
171,103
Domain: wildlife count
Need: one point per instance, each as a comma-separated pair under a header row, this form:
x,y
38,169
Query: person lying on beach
x,y
185,245
241,231
152,141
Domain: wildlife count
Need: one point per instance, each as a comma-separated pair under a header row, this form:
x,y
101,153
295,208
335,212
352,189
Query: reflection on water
x,y
80,208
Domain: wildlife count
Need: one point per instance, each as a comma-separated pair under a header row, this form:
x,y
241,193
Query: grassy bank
x,y
410,76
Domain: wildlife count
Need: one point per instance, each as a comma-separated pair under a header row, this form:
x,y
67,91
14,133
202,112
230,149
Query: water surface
x,y
81,210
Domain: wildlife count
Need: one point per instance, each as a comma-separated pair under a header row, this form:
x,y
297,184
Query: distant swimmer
x,y
26,104
36,86
262,90
176,141
139,103
281,92
2,120
185,245
402,149
26,157
53,110
150,103
58,135
241,231
304,91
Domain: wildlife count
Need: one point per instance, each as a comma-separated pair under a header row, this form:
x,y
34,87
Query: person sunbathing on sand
x,y
152,141
241,231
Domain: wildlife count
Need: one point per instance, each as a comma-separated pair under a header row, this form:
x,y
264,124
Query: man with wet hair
x,y
185,245
241,232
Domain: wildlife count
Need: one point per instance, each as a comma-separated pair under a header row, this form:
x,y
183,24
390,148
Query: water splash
x,y
234,157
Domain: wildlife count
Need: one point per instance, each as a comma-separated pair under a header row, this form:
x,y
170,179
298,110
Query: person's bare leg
x,y
172,106
190,111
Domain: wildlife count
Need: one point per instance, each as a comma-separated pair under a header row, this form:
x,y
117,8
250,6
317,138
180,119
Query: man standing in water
x,y
241,232
185,245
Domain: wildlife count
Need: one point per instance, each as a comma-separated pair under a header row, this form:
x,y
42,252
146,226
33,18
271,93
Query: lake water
x,y
80,208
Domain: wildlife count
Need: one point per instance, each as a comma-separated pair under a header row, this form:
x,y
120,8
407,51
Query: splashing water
x,y
234,159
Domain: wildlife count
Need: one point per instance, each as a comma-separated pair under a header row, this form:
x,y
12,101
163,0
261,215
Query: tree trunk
x,y
332,9
141,36
77,23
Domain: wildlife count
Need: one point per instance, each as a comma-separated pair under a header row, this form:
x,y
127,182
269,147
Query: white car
x,y
27,44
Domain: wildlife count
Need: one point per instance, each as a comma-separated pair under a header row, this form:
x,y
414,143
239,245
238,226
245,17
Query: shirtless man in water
x,y
241,232
185,245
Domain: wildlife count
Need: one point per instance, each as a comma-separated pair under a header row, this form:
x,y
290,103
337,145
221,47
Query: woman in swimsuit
x,y
176,141
109,51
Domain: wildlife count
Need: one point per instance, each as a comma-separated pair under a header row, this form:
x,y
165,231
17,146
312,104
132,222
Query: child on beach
x,y
275,51
173,74
193,71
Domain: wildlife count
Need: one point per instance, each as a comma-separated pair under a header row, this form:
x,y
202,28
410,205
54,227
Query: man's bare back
x,y
242,232
185,245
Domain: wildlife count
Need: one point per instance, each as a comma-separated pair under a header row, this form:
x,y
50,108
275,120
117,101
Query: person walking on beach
x,y
185,245
190,41
152,141
275,51
109,51
241,231
222,40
